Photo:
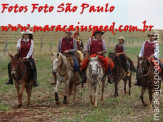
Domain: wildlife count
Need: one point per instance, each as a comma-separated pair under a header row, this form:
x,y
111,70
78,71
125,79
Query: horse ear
x,y
148,62
11,56
17,55
57,54
97,57
52,54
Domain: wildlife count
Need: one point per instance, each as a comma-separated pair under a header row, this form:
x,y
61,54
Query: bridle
x,y
18,72
143,71
97,71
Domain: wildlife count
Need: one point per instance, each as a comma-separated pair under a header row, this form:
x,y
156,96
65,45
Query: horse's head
x,y
143,64
94,66
112,56
15,62
57,61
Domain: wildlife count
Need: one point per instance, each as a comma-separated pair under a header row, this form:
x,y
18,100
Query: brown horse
x,y
21,72
119,72
145,73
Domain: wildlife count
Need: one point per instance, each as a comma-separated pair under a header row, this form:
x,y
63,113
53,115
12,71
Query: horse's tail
x,y
133,69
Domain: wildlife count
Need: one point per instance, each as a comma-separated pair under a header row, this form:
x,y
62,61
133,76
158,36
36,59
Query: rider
x,y
97,46
80,45
25,47
119,49
150,50
68,45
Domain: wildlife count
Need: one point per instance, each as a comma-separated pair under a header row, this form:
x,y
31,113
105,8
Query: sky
x,y
126,12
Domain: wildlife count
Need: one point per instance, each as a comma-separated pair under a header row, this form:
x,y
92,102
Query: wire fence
x,y
8,42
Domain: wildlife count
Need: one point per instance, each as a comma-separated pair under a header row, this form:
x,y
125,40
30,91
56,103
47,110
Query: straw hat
x,y
27,32
156,35
121,38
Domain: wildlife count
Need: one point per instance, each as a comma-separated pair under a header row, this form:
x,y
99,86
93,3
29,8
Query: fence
x,y
50,42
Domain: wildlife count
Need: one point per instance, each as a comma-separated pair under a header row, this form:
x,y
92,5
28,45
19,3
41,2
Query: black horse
x,y
120,71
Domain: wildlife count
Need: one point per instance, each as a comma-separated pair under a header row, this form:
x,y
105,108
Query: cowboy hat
x,y
121,38
96,32
156,35
153,34
27,32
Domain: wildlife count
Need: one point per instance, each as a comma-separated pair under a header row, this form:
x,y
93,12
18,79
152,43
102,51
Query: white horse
x,y
64,74
95,76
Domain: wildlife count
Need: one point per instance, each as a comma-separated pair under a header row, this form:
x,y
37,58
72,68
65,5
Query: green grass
x,y
123,108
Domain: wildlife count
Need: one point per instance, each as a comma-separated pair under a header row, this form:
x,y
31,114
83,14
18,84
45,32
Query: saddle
x,y
71,60
30,68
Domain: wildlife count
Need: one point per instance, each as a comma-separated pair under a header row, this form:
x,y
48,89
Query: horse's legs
x,y
116,89
56,93
95,95
17,89
129,84
77,81
75,91
125,82
29,90
150,97
102,96
66,96
142,94
90,93
21,94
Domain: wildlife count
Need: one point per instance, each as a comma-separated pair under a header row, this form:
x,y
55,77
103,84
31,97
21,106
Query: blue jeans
x,y
76,65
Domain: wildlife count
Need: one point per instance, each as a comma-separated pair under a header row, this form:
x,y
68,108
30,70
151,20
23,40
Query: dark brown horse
x,y
119,72
21,72
145,73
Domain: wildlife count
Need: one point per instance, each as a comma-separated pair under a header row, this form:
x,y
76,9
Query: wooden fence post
x,y
51,42
5,48
41,44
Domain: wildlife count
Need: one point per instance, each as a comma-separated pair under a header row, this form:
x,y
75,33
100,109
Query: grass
x,y
123,108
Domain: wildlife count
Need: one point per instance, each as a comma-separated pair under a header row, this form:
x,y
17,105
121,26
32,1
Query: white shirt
x,y
156,52
31,48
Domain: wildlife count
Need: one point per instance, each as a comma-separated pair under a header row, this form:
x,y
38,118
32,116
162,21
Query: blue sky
x,y
132,12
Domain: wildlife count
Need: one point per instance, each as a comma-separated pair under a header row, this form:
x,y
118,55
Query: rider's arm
x,y
18,45
75,47
142,51
59,45
115,48
86,47
104,47
30,50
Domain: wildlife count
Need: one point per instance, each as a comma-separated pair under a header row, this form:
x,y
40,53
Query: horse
x,y
145,72
119,72
21,72
95,75
64,74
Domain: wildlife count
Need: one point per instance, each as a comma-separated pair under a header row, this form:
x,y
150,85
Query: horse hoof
x,y
145,105
57,102
125,92
19,105
95,106
65,102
